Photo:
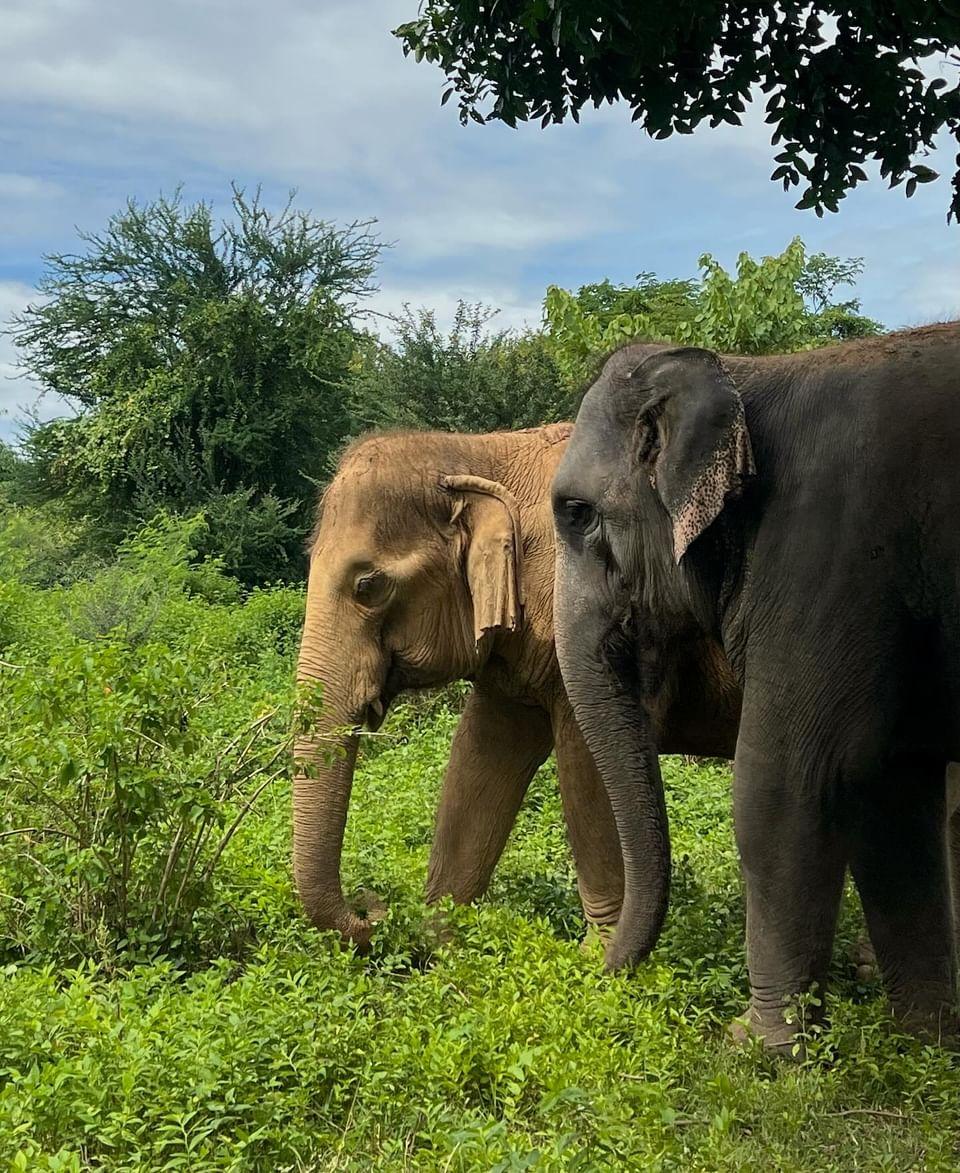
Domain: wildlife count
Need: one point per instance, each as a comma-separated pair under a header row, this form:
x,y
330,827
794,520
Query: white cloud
x,y
14,297
309,95
26,187
107,57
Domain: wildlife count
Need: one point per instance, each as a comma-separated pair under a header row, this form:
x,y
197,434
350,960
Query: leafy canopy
x,y
843,81
471,379
773,305
8,462
210,367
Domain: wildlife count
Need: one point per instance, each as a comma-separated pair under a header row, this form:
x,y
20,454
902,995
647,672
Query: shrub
x,y
41,547
469,380
152,566
151,709
123,786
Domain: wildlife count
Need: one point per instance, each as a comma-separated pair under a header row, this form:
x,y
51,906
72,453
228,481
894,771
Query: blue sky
x,y
105,99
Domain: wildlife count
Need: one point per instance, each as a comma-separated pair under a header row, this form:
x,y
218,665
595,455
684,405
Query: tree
x,y
820,277
843,81
667,303
469,380
774,305
8,462
210,365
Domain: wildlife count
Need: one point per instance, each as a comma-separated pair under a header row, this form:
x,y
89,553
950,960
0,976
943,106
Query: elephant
x,y
432,561
799,512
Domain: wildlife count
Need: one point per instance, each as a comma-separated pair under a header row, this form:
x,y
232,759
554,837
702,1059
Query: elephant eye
x,y
370,589
578,515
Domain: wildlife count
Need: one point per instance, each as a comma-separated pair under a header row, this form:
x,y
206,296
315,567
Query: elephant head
x,y
415,564
660,445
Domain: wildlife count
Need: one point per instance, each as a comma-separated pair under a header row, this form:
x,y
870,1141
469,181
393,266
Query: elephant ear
x,y
489,520
692,433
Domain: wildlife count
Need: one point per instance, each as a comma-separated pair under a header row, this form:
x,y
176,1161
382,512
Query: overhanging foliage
x,y
843,82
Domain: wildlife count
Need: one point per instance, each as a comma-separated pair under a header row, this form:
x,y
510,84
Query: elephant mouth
x,y
375,713
401,677
376,710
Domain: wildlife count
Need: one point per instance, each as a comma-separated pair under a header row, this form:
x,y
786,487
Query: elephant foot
x,y
935,1025
596,938
864,960
777,1036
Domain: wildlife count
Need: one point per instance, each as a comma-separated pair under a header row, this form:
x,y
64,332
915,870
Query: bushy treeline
x,y
218,368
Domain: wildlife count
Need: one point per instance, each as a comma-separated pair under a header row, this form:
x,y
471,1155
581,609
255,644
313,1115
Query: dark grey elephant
x,y
804,512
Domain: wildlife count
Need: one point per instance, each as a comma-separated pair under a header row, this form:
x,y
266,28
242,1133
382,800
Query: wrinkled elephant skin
x,y
432,561
802,511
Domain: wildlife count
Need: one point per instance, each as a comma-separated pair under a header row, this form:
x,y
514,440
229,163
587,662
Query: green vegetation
x,y
843,83
210,366
163,1006
471,380
772,306
220,368
8,463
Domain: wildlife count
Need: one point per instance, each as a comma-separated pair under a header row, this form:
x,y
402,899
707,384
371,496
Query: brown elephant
x,y
432,561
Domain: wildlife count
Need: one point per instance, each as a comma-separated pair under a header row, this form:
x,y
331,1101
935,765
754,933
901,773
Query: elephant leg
x,y
498,746
793,866
898,859
864,955
591,829
953,842
953,850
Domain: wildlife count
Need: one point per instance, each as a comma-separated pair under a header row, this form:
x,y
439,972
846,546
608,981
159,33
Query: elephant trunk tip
x,y
620,956
357,932
635,936
328,911
353,929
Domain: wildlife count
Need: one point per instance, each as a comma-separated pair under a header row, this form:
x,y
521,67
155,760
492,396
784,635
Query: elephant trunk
x,y
619,736
323,779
